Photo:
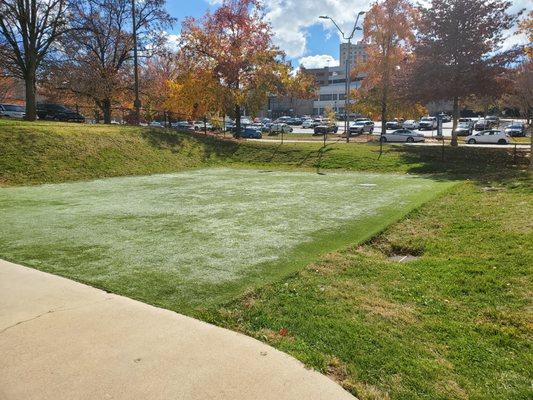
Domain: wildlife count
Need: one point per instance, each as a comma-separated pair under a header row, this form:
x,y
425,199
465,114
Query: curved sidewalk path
x,y
63,340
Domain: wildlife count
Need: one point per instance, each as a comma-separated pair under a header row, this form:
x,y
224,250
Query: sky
x,y
304,37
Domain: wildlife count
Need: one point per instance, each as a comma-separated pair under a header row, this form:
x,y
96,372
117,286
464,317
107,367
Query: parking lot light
x,y
347,95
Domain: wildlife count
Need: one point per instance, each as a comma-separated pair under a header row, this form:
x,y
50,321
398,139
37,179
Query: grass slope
x,y
454,324
202,237
46,152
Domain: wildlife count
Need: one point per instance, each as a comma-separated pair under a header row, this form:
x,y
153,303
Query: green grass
x,y
46,152
198,238
454,324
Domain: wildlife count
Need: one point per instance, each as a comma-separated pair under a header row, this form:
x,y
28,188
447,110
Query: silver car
x,y
402,135
12,111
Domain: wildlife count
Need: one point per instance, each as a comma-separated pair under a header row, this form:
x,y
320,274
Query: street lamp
x,y
348,83
137,101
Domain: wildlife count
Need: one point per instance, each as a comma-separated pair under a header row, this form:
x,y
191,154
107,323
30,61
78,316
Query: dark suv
x,y
57,112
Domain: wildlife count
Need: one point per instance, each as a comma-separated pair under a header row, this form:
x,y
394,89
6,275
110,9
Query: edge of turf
x,y
323,242
351,233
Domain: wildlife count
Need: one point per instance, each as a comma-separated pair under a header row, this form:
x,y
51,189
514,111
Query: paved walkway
x,y
63,340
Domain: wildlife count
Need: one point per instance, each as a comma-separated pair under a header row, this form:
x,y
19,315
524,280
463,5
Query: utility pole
x,y
348,79
137,101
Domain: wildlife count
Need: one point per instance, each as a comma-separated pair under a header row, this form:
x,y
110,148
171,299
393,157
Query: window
x,y
326,97
342,96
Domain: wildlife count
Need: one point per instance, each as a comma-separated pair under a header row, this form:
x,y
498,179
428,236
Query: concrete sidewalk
x,y
63,340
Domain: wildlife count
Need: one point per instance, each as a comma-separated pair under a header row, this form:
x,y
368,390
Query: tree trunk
x,y
31,105
106,110
237,120
530,128
455,118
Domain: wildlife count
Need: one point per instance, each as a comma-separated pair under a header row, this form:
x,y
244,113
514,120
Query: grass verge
x,y
455,323
46,152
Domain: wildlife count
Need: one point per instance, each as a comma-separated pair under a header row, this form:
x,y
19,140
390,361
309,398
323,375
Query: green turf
x,y
198,238
454,324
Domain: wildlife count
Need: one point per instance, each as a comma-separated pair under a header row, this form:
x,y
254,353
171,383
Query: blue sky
x,y
298,31
319,41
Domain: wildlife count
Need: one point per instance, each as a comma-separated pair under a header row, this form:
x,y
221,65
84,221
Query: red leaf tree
x,y
235,44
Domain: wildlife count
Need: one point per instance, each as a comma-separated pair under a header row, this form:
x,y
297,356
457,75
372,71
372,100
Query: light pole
x,y
137,101
347,95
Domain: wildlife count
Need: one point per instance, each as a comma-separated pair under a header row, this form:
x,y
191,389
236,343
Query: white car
x,y
488,137
402,135
279,128
428,123
410,124
12,111
309,124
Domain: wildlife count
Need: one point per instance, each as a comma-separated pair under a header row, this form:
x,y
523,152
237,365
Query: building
x,y
331,82
355,52
332,88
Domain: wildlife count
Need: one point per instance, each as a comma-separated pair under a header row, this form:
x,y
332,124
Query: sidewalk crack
x,y
50,312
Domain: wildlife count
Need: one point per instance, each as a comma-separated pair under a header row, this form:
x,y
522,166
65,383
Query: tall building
x,y
355,52
331,82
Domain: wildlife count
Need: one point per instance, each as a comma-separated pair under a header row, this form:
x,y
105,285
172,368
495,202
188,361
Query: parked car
x,y
294,121
199,126
182,125
57,112
282,120
325,128
394,124
156,124
484,124
445,117
428,123
249,133
493,119
361,127
464,128
518,129
402,135
12,111
410,124
309,123
488,137
280,128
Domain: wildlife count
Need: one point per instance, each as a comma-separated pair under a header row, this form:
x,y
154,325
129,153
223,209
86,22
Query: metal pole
x,y
137,102
346,123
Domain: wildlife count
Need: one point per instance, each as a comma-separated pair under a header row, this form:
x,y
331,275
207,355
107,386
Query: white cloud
x,y
318,61
291,20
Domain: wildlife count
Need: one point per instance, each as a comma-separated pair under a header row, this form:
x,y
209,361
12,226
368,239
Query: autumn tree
x,y
98,50
387,36
297,85
156,74
233,46
7,86
457,50
526,27
400,103
28,32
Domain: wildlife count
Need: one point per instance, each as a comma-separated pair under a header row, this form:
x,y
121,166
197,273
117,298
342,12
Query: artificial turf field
x,y
199,238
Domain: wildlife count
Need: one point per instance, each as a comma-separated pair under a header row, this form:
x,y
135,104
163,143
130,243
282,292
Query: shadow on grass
x,y
442,163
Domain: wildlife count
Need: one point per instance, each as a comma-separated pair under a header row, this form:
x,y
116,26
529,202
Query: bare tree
x,y
98,51
28,30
